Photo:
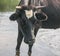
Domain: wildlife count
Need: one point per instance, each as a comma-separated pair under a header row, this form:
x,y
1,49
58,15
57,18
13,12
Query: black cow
x,y
27,28
53,11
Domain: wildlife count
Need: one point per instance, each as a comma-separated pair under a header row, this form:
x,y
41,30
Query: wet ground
x,y
47,40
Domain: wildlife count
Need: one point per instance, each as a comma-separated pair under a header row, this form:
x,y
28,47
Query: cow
x,y
28,25
52,9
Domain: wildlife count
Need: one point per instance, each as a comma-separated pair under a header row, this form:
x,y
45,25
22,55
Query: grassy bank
x,y
8,5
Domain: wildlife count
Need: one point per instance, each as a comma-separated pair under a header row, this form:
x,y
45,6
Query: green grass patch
x,y
8,5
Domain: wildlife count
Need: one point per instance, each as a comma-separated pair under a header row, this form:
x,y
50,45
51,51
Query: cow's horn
x,y
18,7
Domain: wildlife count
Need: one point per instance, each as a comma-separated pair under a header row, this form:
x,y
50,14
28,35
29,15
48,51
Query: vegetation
x,y
8,5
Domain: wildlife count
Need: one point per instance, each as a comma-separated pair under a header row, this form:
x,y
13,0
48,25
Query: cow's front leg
x,y
19,40
30,50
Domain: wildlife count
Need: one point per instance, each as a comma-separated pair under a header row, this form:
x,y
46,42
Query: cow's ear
x,y
13,17
40,16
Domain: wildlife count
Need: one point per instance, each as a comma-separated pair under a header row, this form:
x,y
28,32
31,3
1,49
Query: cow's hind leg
x,y
38,25
19,40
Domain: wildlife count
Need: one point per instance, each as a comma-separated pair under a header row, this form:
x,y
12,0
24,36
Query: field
x,y
8,5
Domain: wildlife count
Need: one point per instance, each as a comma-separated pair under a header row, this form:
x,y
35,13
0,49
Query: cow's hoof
x,y
29,53
17,53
